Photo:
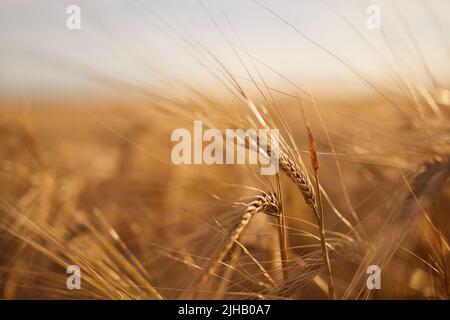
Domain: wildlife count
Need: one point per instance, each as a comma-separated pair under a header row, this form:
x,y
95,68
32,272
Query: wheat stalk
x,y
265,203
301,179
319,213
298,176
423,183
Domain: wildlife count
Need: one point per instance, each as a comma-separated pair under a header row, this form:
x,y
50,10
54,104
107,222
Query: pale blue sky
x,y
120,38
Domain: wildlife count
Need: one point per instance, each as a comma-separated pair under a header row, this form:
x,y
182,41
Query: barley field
x,y
359,205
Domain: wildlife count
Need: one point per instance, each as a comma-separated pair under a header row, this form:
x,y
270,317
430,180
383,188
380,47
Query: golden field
x,y
96,109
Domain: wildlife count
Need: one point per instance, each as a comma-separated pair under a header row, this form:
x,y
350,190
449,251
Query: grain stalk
x,y
319,213
265,203
423,183
301,179
282,236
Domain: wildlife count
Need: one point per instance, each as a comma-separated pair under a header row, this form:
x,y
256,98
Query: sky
x,y
138,40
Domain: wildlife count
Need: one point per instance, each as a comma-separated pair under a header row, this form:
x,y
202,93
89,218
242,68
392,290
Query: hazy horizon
x,y
124,40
